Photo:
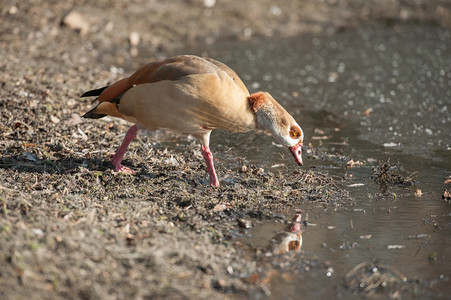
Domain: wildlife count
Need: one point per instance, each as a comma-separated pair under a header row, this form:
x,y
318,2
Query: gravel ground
x,y
69,226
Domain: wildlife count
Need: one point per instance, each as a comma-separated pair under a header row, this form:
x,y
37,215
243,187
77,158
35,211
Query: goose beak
x,y
297,152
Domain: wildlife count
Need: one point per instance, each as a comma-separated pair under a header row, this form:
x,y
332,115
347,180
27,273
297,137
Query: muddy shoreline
x,y
70,227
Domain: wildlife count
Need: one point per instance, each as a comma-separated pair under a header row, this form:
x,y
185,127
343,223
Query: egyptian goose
x,y
192,95
288,240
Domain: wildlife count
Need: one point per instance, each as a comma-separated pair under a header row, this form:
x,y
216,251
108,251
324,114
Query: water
x,y
375,93
372,94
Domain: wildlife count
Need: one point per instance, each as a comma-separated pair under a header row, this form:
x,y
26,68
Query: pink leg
x,y
208,156
117,158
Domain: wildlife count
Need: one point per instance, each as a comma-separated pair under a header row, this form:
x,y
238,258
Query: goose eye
x,y
295,133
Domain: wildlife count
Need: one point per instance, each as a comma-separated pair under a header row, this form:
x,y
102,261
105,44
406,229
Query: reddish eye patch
x,y
294,245
295,132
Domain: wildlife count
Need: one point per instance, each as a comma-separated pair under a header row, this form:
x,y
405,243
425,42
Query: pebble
x,y
76,21
209,3
38,231
54,119
391,144
134,38
243,223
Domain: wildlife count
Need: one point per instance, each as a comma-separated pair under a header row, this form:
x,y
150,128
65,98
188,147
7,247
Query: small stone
x,y
418,193
221,207
390,145
446,196
134,38
54,119
12,10
209,3
76,21
275,10
38,231
219,284
368,111
333,76
247,32
243,223
109,26
260,171
134,51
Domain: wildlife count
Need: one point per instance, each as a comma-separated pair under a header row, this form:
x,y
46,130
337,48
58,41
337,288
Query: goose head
x,y
272,116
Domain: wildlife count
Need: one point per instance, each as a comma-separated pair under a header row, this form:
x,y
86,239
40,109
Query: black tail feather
x,y
92,93
92,115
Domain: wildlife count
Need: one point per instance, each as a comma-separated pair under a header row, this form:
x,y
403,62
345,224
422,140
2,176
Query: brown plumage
x,y
192,95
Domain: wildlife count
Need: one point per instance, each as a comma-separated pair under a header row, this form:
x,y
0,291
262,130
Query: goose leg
x,y
117,158
208,156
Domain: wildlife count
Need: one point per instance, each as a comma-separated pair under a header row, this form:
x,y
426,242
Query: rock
x,y
418,193
76,21
13,10
209,3
446,196
134,38
390,145
54,119
244,223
